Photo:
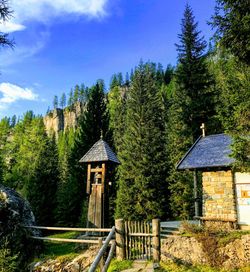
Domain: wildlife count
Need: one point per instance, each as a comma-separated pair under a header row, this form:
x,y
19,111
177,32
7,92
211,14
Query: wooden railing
x,y
132,240
101,252
99,260
64,240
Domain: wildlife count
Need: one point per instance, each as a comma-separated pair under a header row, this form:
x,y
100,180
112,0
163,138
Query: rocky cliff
x,y
63,119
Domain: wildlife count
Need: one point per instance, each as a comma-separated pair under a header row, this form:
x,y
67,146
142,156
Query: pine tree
x,y
192,103
232,82
5,15
55,102
70,100
63,101
192,76
117,112
76,94
93,122
232,23
33,166
38,163
142,187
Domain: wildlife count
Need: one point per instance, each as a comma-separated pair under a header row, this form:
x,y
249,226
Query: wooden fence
x,y
133,240
138,240
99,260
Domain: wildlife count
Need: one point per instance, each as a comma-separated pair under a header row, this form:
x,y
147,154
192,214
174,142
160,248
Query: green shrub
x,y
8,262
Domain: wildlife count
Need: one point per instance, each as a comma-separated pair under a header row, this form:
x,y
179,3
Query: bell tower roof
x,y
100,152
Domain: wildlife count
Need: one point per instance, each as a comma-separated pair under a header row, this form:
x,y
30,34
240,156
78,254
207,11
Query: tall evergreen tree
x,y
117,112
32,166
92,123
192,103
232,73
233,83
70,100
76,93
63,101
232,23
192,76
38,164
142,185
55,102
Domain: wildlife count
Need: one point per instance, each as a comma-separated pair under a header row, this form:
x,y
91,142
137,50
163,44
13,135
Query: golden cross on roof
x,y
202,127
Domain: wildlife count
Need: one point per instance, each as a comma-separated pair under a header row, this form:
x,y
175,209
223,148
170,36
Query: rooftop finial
x,y
101,134
202,127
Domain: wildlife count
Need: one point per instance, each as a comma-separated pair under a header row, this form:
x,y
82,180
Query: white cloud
x,y
12,93
44,10
8,27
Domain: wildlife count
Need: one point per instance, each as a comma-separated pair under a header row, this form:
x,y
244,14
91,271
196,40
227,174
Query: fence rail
x,y
70,229
101,252
64,240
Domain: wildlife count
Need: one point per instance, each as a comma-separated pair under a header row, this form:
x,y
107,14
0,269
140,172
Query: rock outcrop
x,y
15,213
79,263
233,255
63,119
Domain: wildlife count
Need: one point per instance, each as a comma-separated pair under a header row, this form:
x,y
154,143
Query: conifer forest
x,y
149,116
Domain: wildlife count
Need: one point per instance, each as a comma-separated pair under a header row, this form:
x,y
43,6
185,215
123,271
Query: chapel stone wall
x,y
219,195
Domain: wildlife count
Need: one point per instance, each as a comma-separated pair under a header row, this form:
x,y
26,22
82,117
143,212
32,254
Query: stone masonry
x,y
219,195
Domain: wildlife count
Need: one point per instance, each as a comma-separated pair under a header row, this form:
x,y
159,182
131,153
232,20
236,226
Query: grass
x,y
174,267
116,265
228,237
62,251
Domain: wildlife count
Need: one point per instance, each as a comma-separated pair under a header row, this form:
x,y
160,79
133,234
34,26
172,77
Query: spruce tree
x,y
38,163
233,83
71,99
76,94
92,123
63,101
142,187
55,102
117,112
191,104
232,23
32,166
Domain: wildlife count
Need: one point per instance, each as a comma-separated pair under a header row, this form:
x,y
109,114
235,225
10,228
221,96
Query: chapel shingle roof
x,y
208,152
100,152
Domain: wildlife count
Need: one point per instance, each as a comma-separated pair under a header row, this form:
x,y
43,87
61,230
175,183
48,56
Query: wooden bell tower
x,y
100,158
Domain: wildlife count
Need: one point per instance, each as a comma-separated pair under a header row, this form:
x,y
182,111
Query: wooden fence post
x,y
120,239
156,243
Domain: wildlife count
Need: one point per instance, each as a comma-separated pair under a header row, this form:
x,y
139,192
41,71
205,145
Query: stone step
x,y
140,265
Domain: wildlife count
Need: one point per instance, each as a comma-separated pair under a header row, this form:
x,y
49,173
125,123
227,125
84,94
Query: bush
x,y
7,260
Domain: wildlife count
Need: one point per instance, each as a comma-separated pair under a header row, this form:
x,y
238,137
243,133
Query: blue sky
x,y
61,43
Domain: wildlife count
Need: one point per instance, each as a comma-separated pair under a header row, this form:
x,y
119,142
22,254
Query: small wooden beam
x,y
96,170
103,176
88,179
